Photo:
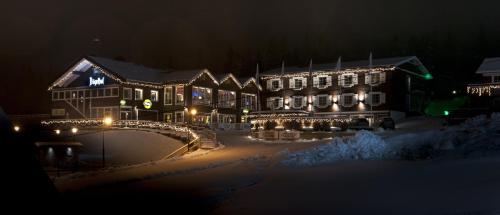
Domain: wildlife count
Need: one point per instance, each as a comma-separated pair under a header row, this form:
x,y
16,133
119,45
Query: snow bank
x,y
477,136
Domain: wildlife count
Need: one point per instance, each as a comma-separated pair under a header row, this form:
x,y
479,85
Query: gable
x,y
230,82
204,79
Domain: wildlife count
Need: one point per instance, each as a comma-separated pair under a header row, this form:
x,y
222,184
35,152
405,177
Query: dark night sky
x,y
40,38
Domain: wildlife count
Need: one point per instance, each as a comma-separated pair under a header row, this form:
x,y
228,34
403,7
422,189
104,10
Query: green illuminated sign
x,y
446,113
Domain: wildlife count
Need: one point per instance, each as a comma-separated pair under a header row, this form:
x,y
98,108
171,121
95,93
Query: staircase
x,y
208,139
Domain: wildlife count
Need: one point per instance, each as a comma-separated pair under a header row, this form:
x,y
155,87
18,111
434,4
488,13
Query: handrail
x,y
179,149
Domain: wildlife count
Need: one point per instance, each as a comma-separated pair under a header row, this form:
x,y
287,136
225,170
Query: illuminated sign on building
x,y
147,103
96,81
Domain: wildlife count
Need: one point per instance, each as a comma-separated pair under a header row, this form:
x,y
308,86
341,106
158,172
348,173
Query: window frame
x,y
141,93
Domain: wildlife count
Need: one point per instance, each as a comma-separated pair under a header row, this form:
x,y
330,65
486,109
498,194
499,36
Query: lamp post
x,y
74,130
106,123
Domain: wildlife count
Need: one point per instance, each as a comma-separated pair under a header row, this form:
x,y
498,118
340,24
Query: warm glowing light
x,y
74,130
193,112
107,121
57,131
17,128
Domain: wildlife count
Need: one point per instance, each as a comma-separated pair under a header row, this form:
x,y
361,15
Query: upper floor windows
x,y
179,95
374,78
322,81
154,95
348,79
201,96
227,99
168,91
138,94
127,93
274,84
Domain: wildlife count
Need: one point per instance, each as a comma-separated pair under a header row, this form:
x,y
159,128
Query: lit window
x,y
154,95
248,101
201,96
138,94
226,99
179,95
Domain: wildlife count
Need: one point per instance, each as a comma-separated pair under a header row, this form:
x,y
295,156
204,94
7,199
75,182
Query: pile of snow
x,y
364,145
477,136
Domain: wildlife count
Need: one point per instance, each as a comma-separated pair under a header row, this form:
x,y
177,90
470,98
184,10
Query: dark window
x,y
322,81
347,80
114,92
298,83
375,99
348,100
496,79
276,84
107,92
322,101
297,102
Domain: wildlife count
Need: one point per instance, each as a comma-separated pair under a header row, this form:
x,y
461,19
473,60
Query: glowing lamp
x,y
57,131
193,112
17,128
74,130
107,121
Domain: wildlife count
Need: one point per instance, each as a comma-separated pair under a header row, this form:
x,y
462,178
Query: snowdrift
x,y
477,136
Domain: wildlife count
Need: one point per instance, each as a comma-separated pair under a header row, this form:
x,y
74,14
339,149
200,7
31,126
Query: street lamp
x,y
73,130
108,121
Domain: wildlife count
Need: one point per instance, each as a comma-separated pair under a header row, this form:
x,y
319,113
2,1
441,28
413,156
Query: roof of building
x,y
489,65
131,71
382,62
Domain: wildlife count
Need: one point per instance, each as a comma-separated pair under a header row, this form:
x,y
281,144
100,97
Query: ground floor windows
x,y
376,98
227,118
179,116
102,112
167,117
274,103
298,102
322,101
348,99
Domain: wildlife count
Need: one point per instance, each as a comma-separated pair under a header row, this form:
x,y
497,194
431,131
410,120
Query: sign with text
x,y
98,81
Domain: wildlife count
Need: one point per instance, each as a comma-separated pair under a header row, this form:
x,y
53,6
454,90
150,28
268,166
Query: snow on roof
x,y
382,62
131,71
489,65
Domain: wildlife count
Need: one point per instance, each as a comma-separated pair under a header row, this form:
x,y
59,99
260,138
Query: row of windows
x,y
87,93
323,101
325,81
138,94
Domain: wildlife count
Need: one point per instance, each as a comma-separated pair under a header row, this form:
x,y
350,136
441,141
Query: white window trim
x,y
130,93
301,104
280,84
157,97
135,93
342,80
328,81
368,78
304,83
353,99
254,102
328,101
381,100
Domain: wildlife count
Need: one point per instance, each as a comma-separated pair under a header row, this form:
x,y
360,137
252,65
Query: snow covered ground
x,y
476,137
125,147
368,177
